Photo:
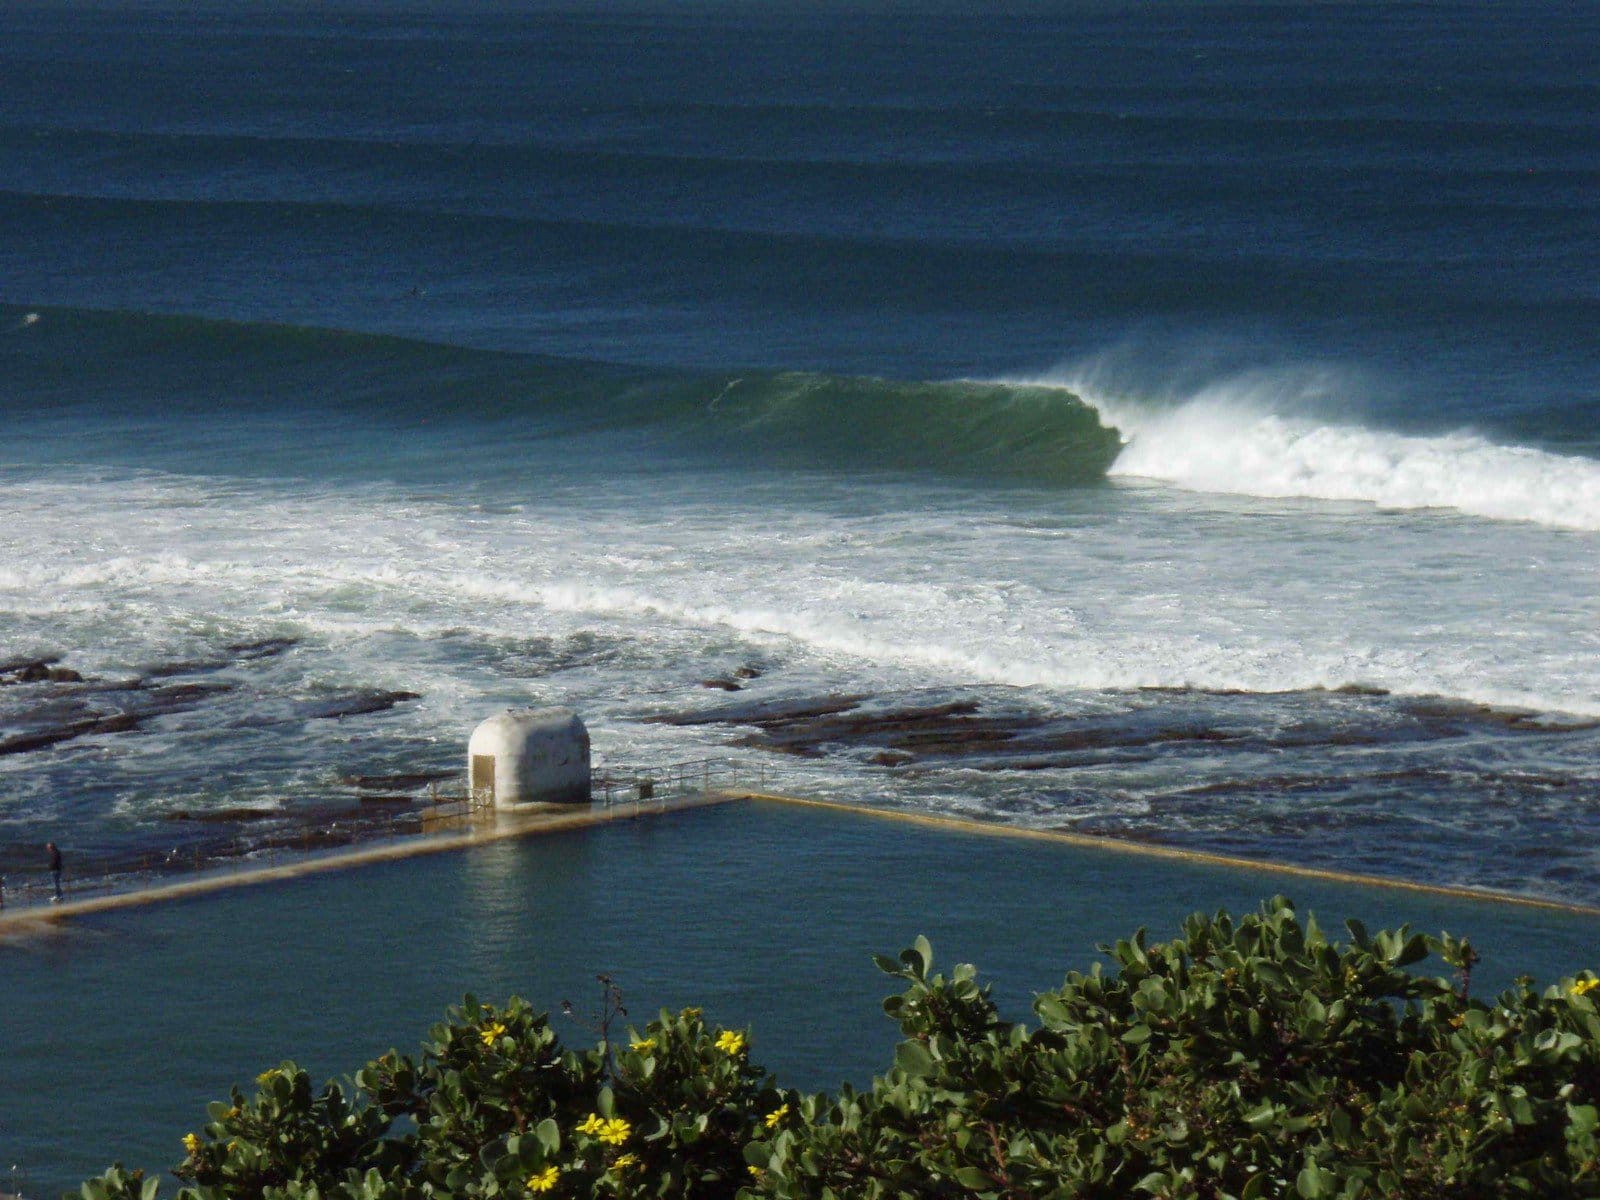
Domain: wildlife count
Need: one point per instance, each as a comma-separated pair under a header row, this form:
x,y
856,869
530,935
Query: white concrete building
x,y
530,756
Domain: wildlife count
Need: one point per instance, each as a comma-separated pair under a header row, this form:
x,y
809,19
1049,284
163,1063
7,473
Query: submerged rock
x,y
355,704
37,670
264,648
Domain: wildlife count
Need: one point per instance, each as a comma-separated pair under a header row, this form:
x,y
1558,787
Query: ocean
x,y
1175,422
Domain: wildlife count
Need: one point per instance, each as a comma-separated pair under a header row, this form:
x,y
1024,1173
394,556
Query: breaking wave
x,y
1249,436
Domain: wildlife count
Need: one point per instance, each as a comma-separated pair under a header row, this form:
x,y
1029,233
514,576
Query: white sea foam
x,y
922,593
1244,436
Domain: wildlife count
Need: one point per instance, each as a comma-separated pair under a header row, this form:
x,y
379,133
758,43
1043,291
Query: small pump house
x,y
530,756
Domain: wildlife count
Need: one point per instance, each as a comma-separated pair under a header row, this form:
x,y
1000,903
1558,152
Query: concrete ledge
x,y
536,819
1173,854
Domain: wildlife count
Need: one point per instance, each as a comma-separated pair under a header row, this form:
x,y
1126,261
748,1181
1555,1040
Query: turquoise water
x,y
1210,387
120,1028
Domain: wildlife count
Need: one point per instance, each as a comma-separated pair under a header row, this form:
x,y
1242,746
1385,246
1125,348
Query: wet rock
x,y
37,670
355,704
265,648
67,714
187,667
413,780
949,732
725,685
217,816
12,665
1360,689
39,739
760,712
172,697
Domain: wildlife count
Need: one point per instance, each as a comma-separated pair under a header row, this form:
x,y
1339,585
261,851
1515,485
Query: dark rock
x,y
355,705
215,816
726,685
177,697
192,667
265,648
63,675
23,742
41,738
15,666
413,780
760,712
116,723
747,673
1360,689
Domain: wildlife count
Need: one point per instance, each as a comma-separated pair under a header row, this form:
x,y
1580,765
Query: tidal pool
x,y
119,1028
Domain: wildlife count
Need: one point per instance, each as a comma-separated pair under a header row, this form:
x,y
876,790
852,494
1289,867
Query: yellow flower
x,y
642,1045
777,1115
730,1042
232,1114
266,1076
191,1143
690,1014
492,1033
614,1132
543,1181
624,1161
593,1125
1584,986
756,1172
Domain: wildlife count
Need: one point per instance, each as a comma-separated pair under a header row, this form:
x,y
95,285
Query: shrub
x,y
1247,1060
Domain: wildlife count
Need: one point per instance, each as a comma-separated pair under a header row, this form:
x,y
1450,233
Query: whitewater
x,y
1131,421
1227,437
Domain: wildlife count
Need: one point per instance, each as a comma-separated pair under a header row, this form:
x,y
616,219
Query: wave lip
x,y
1217,442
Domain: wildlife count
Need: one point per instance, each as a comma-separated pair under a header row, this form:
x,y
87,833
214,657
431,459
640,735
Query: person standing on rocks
x,y
55,869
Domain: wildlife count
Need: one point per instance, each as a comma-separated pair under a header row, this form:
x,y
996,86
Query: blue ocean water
x,y
1200,398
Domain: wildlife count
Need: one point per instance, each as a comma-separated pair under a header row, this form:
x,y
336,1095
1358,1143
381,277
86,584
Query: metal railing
x,y
613,787
638,785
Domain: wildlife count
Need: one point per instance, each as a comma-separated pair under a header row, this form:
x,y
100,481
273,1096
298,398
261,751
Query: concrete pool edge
x,y
968,825
39,918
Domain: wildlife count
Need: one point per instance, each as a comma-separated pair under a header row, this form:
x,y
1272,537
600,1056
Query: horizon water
x,y
1215,386
1166,422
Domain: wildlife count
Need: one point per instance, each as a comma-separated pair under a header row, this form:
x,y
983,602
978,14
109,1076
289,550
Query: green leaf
x,y
974,1178
1261,1116
549,1135
1313,1183
914,1059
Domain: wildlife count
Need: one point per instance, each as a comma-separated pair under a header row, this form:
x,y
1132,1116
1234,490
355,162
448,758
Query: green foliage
x,y
1249,1060
1241,1060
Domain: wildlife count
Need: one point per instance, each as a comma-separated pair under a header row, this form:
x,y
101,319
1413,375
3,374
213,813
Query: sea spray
x,y
1257,434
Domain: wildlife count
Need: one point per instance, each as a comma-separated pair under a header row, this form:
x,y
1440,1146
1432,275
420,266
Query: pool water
x,y
118,1029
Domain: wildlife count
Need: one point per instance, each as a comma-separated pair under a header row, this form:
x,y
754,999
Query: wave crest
x,y
1227,438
